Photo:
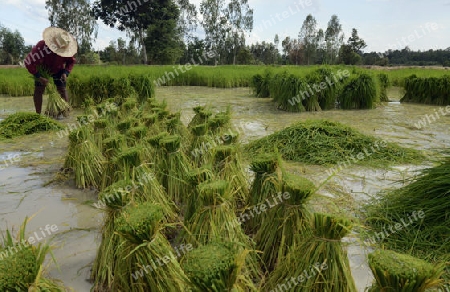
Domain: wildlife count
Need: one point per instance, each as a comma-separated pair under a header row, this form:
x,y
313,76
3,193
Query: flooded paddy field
x,y
30,186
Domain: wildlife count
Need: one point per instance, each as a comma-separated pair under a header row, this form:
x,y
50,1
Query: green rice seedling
x,y
395,272
318,263
129,104
267,182
176,127
85,158
136,268
286,221
22,264
149,119
220,121
202,115
230,138
122,90
261,83
143,86
173,168
324,142
384,84
22,123
56,106
201,146
214,218
194,178
420,210
125,124
137,133
359,93
217,267
427,90
227,165
284,89
112,145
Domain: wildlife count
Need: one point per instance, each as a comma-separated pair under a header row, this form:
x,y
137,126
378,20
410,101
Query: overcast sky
x,y
383,24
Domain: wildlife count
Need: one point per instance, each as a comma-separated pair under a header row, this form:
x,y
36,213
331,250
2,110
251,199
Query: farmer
x,y
54,54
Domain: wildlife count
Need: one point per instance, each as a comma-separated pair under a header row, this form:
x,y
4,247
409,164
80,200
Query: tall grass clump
x,y
384,82
22,264
402,273
217,267
324,142
427,90
423,206
287,220
136,267
284,89
359,93
319,263
261,84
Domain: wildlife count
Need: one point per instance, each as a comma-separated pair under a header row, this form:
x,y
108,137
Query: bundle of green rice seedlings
x,y
419,212
319,262
173,168
227,165
146,261
125,124
219,122
121,89
129,104
327,96
112,145
201,146
202,115
56,106
26,123
149,119
384,82
359,93
143,86
22,264
176,127
267,182
285,222
401,272
230,138
217,267
85,158
260,84
111,199
284,89
137,133
126,161
194,178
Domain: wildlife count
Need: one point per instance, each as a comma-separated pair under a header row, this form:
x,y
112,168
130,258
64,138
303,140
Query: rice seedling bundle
x,y
143,86
128,105
384,84
319,263
112,145
395,272
137,133
220,121
23,123
260,84
200,151
284,89
22,265
122,90
428,90
149,119
55,104
228,166
217,267
214,218
359,93
327,96
136,268
176,127
126,124
325,142
266,183
202,114
286,220
420,210
195,177
173,168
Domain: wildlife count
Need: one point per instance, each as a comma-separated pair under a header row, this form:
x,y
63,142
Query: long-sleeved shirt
x,y
41,55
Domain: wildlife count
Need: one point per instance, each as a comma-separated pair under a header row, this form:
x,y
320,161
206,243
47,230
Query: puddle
x,y
22,193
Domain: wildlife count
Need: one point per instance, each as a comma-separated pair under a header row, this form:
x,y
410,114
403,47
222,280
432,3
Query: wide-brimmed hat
x,y
60,41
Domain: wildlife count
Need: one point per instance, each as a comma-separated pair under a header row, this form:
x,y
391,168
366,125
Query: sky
x,y
383,24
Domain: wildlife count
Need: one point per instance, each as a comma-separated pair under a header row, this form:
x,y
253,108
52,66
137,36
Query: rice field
x,y
158,193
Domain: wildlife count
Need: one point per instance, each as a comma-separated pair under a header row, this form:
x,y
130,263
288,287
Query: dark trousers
x,y
39,89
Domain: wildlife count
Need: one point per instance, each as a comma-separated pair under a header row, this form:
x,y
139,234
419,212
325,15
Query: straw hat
x,y
60,41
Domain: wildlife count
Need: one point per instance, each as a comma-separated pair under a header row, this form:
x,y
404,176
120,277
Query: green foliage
x,y
325,142
359,93
261,84
24,123
427,90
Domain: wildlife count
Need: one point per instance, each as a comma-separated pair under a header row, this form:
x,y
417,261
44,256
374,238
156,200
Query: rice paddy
x,y
138,159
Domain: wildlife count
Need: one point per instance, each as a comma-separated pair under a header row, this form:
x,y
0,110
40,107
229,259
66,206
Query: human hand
x,y
64,77
43,80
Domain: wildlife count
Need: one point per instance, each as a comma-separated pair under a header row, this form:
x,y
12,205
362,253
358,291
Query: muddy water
x,y
24,190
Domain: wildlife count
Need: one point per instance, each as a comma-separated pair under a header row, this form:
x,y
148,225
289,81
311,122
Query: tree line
x,y
162,32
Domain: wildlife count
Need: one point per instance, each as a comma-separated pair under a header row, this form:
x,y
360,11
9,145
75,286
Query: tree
x,y
333,39
240,20
75,17
308,38
214,23
356,43
12,46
